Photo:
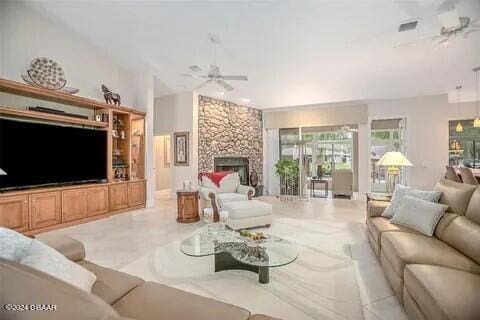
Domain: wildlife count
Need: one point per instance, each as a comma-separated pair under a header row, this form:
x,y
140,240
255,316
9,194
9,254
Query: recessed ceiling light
x,y
246,100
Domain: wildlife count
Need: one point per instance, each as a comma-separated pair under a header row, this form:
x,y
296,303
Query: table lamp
x,y
2,173
393,160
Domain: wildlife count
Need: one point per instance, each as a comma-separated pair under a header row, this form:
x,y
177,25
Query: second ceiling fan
x,y
214,74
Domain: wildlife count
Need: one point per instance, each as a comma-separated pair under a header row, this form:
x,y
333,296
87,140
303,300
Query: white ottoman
x,y
248,214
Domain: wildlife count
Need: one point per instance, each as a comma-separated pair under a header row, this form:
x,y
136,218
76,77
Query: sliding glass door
x,y
385,135
327,151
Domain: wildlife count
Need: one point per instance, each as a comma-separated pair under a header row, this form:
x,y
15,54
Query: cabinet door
x,y
74,204
97,201
45,209
136,193
14,212
117,196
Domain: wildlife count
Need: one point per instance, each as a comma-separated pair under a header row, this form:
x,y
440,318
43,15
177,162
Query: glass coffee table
x,y
233,251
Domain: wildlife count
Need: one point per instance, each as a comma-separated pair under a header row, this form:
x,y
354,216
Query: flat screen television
x,y
37,154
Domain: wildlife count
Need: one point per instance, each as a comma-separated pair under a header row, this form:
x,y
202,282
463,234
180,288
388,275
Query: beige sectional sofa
x,y
115,295
437,277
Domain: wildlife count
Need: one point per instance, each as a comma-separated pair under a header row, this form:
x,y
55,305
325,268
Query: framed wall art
x,y
180,150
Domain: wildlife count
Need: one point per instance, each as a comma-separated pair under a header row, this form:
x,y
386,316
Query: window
x,y
288,139
464,146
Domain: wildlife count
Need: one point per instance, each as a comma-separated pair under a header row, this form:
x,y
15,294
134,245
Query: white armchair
x,y
230,189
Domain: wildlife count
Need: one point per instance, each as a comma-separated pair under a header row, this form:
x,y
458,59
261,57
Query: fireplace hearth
x,y
236,164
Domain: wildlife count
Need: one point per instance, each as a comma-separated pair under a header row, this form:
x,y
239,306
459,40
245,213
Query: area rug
x,y
320,284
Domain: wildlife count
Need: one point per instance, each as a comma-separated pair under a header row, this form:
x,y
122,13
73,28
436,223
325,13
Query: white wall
x,y
162,172
427,133
179,113
312,116
25,35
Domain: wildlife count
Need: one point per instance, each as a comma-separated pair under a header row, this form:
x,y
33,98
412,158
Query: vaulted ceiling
x,y
294,52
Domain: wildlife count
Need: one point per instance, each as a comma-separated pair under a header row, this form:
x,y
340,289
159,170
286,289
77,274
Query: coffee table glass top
x,y
271,252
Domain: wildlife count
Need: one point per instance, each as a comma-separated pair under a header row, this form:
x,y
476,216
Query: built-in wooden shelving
x,y
49,95
20,210
50,117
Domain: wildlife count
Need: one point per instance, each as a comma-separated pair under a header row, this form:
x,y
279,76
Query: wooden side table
x,y
187,206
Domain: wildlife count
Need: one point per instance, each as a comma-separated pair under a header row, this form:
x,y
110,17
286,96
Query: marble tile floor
x,y
336,275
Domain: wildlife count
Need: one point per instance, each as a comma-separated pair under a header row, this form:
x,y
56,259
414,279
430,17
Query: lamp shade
x,y
394,158
2,173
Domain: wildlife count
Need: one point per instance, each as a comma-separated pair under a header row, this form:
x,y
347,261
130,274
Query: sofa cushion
x,y
111,285
443,223
247,209
377,225
41,257
401,192
464,235
455,195
376,208
443,293
223,198
473,210
21,284
261,317
156,301
402,248
419,215
13,245
412,309
72,249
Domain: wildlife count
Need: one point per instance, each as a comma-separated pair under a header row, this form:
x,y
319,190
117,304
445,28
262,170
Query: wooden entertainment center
x,y
37,210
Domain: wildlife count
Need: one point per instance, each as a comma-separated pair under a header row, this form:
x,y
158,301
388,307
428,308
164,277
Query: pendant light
x,y
476,122
459,127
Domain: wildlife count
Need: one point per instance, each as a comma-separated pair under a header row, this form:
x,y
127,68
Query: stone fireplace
x,y
229,138
236,164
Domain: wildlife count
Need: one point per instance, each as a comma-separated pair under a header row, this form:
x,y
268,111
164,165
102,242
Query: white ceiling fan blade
x,y
468,32
195,76
408,44
225,85
235,77
443,43
475,23
201,85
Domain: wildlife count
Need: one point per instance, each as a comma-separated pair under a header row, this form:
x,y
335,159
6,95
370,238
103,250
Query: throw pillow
x,y
41,257
419,215
13,245
402,191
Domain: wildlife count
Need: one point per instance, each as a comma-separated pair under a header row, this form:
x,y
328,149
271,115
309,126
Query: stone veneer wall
x,y
229,130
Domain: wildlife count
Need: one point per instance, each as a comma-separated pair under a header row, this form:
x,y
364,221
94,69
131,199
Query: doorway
x,y
385,135
162,165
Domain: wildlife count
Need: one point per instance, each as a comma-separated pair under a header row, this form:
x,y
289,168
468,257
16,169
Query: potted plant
x,y
287,170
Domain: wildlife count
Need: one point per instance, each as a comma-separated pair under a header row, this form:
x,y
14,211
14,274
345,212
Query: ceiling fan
x,y
452,26
214,75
